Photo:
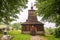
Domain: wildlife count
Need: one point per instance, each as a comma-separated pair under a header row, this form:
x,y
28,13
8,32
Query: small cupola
x,y
31,5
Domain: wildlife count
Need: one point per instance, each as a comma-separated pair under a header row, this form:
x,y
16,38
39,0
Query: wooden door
x,y
33,30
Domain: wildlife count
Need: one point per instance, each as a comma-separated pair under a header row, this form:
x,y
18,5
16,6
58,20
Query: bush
x,y
57,32
1,31
49,31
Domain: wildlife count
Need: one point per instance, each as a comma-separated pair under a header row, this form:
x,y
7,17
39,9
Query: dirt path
x,y
35,38
38,38
42,38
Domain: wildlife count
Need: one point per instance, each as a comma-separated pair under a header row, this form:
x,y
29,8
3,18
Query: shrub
x,y
57,32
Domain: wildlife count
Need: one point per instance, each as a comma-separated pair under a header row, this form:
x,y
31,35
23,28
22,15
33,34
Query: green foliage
x,y
16,26
10,8
18,36
49,9
51,37
57,32
1,35
50,31
1,31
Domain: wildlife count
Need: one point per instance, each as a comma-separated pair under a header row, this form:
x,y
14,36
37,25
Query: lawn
x,y
0,35
18,36
51,37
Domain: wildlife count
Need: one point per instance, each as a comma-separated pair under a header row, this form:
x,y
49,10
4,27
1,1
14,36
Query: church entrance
x,y
33,30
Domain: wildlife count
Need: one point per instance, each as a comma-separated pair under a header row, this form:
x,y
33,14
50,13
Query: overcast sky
x,y
24,15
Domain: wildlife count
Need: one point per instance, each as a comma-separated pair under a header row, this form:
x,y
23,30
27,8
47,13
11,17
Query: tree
x,y
49,9
16,26
10,8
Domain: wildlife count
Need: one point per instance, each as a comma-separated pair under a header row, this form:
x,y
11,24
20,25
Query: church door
x,y
33,30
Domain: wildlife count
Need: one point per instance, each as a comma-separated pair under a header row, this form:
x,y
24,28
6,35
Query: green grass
x,y
0,35
51,37
18,36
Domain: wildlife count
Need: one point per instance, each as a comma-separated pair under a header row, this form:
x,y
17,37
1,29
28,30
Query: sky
x,y
24,15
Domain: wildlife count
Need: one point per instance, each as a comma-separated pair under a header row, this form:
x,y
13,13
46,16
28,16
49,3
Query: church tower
x,y
31,16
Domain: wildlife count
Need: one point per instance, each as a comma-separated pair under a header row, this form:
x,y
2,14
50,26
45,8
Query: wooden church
x,y
32,23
